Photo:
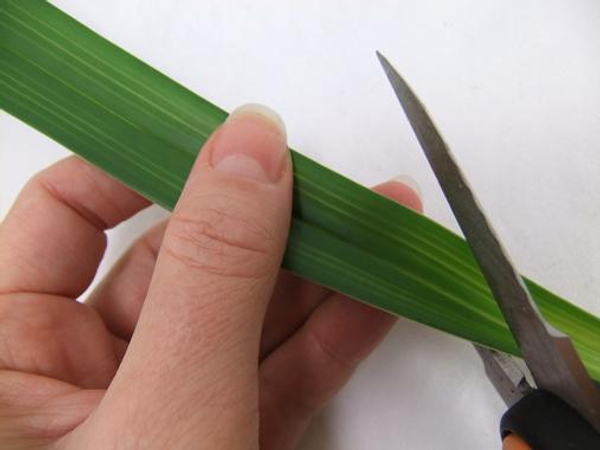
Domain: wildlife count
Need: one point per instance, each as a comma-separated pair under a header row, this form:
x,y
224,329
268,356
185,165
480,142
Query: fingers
x,y
292,302
294,299
53,237
36,409
194,350
403,190
302,374
56,337
120,296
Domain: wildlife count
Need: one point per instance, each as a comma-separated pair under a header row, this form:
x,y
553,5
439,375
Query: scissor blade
x,y
549,354
504,373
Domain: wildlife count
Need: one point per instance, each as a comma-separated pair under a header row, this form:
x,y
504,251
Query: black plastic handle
x,y
545,422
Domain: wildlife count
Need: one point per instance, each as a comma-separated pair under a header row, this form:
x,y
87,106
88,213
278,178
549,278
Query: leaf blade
x,y
145,130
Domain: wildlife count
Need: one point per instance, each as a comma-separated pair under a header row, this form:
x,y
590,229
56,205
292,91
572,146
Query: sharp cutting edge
x,y
505,374
548,353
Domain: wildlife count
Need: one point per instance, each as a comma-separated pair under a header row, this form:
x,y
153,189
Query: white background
x,y
513,85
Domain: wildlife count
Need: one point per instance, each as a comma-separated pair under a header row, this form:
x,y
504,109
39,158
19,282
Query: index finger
x,y
52,239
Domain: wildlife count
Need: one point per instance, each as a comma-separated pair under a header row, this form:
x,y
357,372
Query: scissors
x,y
562,411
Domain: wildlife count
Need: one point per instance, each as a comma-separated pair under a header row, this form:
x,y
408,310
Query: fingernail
x,y
251,144
411,183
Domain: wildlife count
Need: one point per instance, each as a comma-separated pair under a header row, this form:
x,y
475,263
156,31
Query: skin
x,y
196,338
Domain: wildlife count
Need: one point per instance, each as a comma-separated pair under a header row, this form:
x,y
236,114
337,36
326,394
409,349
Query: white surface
x,y
515,88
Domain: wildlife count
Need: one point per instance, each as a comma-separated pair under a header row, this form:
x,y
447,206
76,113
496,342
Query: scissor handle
x,y
542,421
514,442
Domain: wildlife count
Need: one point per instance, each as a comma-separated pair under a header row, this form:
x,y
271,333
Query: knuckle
x,y
324,372
327,352
222,243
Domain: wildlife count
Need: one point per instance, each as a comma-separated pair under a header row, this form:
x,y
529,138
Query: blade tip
x,y
385,64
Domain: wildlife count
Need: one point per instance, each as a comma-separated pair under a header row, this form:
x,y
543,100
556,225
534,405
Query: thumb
x,y
190,373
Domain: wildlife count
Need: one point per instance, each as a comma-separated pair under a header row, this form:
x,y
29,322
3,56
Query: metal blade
x,y
504,373
549,354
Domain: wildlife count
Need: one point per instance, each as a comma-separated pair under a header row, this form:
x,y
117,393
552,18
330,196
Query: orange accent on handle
x,y
514,442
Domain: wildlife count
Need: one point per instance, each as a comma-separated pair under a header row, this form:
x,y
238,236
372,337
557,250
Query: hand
x,y
179,347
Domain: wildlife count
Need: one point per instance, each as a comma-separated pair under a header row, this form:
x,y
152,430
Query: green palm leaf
x,y
145,130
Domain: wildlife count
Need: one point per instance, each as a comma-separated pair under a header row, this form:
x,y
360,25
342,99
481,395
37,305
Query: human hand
x,y
196,338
